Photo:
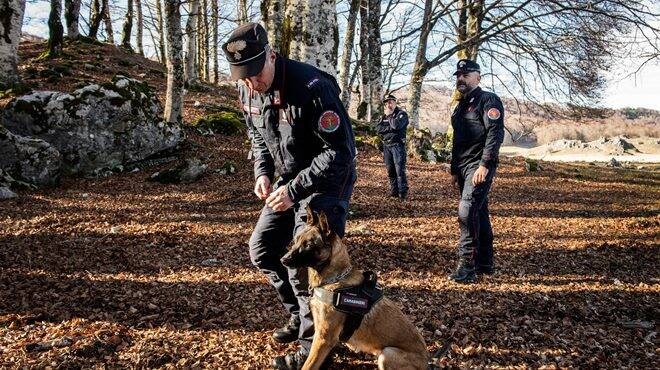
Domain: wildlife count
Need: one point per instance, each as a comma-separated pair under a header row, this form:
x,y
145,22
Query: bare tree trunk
x,y
140,26
365,89
98,9
175,77
161,33
292,34
214,20
206,53
469,25
475,18
375,63
200,42
55,29
190,73
345,64
127,27
320,35
107,19
421,66
11,21
71,15
242,12
272,14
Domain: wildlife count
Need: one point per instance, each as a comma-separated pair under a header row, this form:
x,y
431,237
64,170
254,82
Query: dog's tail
x,y
438,354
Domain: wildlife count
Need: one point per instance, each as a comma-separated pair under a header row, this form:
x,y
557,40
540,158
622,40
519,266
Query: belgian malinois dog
x,y
384,331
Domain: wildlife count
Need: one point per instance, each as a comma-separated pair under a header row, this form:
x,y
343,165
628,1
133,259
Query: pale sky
x,y
641,90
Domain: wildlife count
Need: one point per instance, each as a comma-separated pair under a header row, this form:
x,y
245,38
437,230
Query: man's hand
x,y
479,175
454,181
262,187
279,200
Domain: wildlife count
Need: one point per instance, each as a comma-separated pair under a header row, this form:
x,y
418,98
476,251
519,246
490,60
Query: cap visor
x,y
250,69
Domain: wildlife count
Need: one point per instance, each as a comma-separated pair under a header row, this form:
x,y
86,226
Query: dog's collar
x,y
337,278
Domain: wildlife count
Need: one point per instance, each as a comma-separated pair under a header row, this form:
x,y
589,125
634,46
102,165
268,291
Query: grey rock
x,y
29,160
614,163
188,171
5,193
97,126
193,170
210,262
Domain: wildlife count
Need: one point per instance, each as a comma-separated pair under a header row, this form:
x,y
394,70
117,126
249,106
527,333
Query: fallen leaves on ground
x,y
126,272
120,272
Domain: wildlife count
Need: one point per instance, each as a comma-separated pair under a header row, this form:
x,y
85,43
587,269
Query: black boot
x,y
464,273
394,193
295,360
485,270
289,332
403,196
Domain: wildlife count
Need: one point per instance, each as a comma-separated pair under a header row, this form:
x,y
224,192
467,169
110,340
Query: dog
x,y
384,330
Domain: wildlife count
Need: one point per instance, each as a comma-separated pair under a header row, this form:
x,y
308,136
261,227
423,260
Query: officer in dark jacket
x,y
392,129
304,152
478,123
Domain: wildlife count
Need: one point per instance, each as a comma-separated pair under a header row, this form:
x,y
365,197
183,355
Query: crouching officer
x,y
392,129
478,123
304,154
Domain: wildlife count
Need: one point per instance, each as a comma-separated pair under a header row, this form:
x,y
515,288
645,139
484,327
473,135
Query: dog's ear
x,y
311,217
323,224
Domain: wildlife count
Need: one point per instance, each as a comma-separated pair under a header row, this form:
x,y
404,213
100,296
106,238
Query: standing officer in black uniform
x,y
304,153
392,129
478,123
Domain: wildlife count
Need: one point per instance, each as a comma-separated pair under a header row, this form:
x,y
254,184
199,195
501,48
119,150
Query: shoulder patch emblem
x,y
312,82
329,121
494,113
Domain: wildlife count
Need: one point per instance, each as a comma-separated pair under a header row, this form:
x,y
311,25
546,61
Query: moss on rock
x,y
224,123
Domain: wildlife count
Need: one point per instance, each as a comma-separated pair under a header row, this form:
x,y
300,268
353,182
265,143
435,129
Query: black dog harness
x,y
355,301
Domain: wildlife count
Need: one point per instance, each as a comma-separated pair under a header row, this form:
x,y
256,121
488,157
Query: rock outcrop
x,y
29,160
96,127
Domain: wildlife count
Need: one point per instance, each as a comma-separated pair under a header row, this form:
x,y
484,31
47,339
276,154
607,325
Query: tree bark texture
x,y
71,15
127,28
140,27
161,32
55,28
191,75
11,21
107,19
345,64
175,77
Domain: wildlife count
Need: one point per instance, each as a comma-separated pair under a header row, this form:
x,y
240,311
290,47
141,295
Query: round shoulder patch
x,y
494,113
329,121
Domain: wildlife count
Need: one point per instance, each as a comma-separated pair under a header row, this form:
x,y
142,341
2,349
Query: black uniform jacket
x,y
300,131
478,123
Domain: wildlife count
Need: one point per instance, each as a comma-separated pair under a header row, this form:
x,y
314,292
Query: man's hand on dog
x,y
279,200
262,187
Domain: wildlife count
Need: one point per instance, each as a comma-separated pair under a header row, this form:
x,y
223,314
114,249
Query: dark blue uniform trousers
x,y
476,240
269,242
394,156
